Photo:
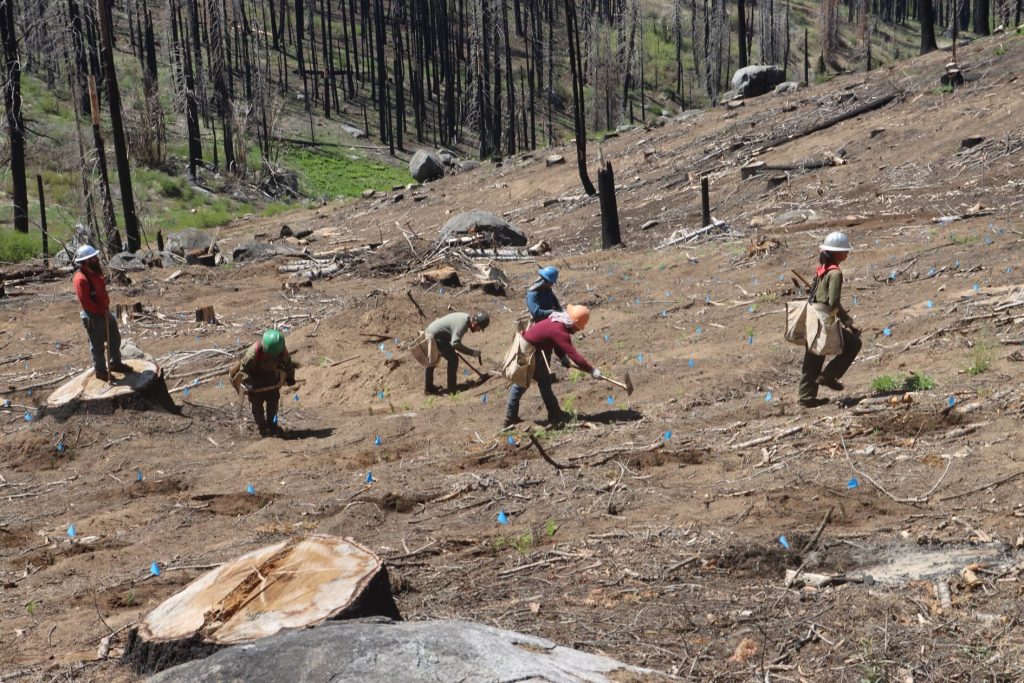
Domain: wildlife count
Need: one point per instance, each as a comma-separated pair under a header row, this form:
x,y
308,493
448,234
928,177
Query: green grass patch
x,y
884,383
919,382
333,172
981,357
17,246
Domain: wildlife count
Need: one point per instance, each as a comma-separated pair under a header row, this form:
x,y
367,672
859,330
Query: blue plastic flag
x,y
185,392
466,373
667,435
71,531
29,392
784,541
611,400
377,441
931,271
667,293
853,483
768,396
929,304
750,339
6,403
707,299
380,394
483,399
957,264
250,489
61,447
441,290
28,416
700,330
691,363
1009,269
976,287
154,569
511,441
138,475
751,308
636,300
369,477
639,358
380,347
389,355
855,300
502,518
952,401
664,314
887,332
220,384
295,397
606,339
276,419
195,382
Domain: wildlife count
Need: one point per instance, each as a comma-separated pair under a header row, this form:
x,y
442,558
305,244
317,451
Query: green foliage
x,y
331,172
569,405
550,527
171,188
981,357
919,382
885,383
129,599
577,375
768,297
19,246
1000,50
30,607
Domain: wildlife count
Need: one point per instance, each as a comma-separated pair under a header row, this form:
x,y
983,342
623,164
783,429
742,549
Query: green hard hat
x,y
273,342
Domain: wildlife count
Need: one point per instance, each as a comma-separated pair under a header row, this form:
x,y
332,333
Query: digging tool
x,y
800,277
263,390
106,346
482,375
626,384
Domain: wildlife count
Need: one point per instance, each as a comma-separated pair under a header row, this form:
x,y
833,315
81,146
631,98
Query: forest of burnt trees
x,y
486,75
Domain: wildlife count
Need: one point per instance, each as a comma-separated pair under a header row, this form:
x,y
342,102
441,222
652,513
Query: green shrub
x,y
170,187
918,382
886,383
19,246
982,355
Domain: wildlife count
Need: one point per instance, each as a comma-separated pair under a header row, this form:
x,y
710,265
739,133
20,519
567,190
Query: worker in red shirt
x,y
553,333
96,316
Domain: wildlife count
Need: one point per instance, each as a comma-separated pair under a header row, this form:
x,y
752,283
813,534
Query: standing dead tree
x,y
12,105
579,110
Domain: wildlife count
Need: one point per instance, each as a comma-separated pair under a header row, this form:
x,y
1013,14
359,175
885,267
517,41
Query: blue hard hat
x,y
549,273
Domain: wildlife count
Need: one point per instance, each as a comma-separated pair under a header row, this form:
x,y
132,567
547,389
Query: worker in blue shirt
x,y
542,302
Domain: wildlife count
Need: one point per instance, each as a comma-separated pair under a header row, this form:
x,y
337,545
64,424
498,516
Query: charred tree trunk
x,y
579,113
610,236
112,236
926,15
741,13
15,121
124,178
222,96
981,18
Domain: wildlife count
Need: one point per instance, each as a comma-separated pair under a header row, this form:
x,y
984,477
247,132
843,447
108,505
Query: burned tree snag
x,y
610,236
15,122
578,107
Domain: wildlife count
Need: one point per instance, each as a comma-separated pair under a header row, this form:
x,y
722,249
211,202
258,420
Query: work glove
x,y
564,360
596,374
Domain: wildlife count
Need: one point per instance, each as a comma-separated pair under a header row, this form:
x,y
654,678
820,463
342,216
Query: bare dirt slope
x,y
659,541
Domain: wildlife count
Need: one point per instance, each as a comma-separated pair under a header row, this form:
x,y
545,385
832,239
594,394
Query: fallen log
x,y
829,122
293,584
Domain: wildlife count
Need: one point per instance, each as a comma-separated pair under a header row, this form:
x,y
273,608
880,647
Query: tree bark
x,y
579,113
926,15
124,177
15,122
610,235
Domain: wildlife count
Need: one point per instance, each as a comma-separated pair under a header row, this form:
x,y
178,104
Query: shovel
x,y
482,375
626,384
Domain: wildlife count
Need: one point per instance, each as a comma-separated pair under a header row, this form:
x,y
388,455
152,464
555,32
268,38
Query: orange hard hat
x,y
580,316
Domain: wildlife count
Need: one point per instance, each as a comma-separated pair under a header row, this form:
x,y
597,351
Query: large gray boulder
x,y
426,166
190,240
373,651
753,81
127,262
476,221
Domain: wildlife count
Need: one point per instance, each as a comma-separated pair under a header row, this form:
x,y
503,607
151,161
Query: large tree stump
x,y
293,584
142,389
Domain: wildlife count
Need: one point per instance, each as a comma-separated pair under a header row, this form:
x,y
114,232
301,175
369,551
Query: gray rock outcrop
x,y
753,81
426,166
477,221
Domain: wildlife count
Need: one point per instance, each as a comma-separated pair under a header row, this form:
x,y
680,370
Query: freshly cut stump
x,y
292,584
146,382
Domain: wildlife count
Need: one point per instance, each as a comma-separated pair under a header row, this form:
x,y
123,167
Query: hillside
x,y
661,540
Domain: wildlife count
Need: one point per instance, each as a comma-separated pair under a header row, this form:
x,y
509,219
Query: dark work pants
x,y
836,368
542,378
264,407
96,328
444,347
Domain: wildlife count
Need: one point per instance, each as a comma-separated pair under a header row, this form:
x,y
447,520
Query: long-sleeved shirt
x,y
91,291
541,300
548,335
829,291
451,328
261,368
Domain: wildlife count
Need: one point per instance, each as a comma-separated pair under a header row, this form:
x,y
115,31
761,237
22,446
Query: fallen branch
x,y
543,454
984,487
771,437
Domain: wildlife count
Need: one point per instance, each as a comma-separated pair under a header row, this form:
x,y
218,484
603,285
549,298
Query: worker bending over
x,y
447,333
264,368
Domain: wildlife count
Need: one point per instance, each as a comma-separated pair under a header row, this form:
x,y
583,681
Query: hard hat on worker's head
x,y
273,343
580,316
836,241
482,320
85,252
549,274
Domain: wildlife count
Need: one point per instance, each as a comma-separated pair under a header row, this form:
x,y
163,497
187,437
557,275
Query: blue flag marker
x,y
667,293
667,435
988,240
154,569
276,419
380,394
28,416
782,278
380,347
502,518
377,441
483,399
220,384
611,400
750,339
887,332
664,314
71,531
295,397
639,358
250,489
636,300
752,308
138,475
976,287
29,392
853,483
369,477
389,355
931,271
606,339
465,373
1009,269
707,299
511,441
185,392
784,542
691,363
6,403
929,304
195,382
61,447
441,290
768,396
700,330
854,301
951,402
957,264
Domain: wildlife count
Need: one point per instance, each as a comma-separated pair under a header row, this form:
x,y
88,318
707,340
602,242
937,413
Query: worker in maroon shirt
x,y
96,316
554,333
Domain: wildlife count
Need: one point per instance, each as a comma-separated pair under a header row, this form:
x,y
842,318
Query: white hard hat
x,y
836,241
85,252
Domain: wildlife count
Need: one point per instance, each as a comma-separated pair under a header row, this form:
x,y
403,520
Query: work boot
x,y
511,421
560,418
833,384
275,430
431,390
121,367
103,375
813,402
263,430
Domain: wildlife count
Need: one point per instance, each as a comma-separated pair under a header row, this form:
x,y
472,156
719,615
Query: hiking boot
x,y
511,421
121,367
276,430
103,375
559,418
813,402
833,384
431,390
264,430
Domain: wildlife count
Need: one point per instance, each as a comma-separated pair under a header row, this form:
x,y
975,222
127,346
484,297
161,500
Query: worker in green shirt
x,y
265,366
826,292
448,332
